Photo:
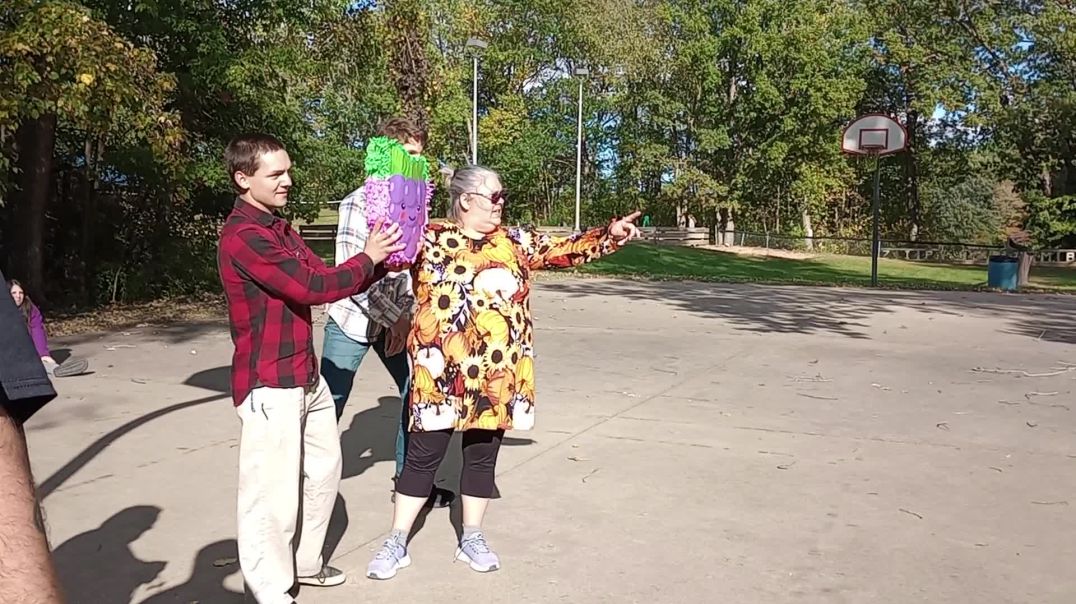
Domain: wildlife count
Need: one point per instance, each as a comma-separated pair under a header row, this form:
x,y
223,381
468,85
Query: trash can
x,y
1002,273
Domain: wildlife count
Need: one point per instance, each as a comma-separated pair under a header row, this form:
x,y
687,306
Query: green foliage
x,y
962,211
720,108
58,60
1053,221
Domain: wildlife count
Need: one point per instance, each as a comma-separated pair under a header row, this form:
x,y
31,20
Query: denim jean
x,y
340,360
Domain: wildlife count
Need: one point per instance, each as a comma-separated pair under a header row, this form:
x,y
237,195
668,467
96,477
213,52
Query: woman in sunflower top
x,y
472,349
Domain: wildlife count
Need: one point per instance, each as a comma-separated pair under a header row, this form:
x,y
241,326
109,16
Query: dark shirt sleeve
x,y
25,385
287,276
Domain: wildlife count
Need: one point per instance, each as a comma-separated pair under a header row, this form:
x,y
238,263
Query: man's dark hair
x,y
402,129
243,152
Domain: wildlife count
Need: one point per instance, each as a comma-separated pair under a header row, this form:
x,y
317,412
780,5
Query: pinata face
x,y
398,190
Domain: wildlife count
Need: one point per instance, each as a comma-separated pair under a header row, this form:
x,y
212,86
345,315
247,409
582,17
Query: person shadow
x,y
217,379
99,565
212,565
369,438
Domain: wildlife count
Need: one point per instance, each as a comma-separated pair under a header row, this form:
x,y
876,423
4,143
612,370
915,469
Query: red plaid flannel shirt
x,y
270,280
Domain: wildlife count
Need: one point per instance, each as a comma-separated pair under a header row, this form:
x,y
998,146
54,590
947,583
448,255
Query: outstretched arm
x,y
546,251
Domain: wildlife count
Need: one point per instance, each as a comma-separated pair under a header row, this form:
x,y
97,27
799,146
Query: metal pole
x,y
474,113
876,244
579,156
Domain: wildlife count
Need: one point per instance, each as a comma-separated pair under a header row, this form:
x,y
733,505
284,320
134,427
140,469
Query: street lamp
x,y
479,46
582,72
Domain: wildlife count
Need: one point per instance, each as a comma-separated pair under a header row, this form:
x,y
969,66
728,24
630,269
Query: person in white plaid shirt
x,y
377,319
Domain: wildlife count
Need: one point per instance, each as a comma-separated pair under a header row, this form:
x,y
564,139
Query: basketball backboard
x,y
874,134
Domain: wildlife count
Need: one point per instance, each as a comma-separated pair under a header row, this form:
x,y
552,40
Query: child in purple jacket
x,y
36,324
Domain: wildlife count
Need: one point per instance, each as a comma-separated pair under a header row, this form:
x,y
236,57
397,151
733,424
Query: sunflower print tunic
x,y
471,342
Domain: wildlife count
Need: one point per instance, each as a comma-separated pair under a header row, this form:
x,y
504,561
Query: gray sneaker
x,y
70,367
390,558
475,550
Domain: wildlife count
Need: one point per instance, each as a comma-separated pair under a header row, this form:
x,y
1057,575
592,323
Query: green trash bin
x,y
1002,272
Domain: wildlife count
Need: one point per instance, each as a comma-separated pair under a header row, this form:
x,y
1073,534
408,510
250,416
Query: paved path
x,y
694,443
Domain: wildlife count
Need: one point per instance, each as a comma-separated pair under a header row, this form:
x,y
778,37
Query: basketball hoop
x,y
874,134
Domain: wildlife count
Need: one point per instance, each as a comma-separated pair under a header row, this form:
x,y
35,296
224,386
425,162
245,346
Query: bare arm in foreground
x,y
27,575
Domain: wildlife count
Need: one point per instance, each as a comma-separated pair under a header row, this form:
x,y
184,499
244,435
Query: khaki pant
x,y
289,445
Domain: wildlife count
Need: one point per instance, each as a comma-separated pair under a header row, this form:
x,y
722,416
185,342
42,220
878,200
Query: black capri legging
x,y
426,450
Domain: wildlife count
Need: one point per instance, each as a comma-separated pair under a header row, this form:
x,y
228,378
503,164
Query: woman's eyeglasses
x,y
497,198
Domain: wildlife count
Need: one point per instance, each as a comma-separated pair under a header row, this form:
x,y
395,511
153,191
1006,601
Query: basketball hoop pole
x,y
876,244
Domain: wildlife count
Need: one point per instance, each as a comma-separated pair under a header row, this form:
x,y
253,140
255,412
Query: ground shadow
x,y
166,330
371,437
833,310
776,309
338,523
210,379
99,566
218,379
1043,317
1044,320
212,565
59,477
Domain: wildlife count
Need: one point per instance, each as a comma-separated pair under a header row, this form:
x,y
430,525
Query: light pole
x,y
478,46
582,72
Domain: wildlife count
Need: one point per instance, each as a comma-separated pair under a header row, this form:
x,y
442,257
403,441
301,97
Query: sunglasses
x,y
497,198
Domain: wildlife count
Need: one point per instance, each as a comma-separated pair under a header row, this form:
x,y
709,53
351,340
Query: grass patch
x,y
675,262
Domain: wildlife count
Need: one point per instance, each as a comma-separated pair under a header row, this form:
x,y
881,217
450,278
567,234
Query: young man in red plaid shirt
x,y
289,443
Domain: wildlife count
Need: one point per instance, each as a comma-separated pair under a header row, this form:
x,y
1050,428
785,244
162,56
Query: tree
x,y
1052,222
112,128
963,210
64,69
408,30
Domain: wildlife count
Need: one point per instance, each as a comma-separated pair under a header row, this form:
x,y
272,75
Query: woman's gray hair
x,y
465,180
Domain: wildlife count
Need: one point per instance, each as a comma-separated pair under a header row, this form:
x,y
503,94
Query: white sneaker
x,y
476,551
389,559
